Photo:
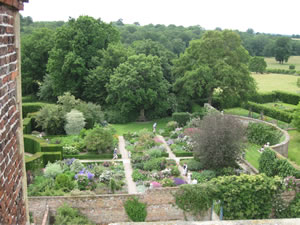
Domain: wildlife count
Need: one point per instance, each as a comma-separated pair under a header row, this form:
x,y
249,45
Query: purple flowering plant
x,y
85,179
178,181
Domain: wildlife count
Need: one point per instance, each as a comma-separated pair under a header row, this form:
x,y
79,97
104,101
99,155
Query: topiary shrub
x,y
260,134
181,118
136,211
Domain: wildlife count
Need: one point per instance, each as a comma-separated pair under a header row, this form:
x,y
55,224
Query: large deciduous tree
x,y
219,142
283,49
217,61
138,85
35,54
76,51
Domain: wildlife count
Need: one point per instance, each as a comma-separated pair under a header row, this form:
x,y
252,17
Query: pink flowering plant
x,y
290,183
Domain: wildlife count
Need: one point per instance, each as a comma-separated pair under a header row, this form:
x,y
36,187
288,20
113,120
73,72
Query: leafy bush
x,y
52,170
155,164
175,171
260,134
63,182
292,67
100,140
136,211
74,122
40,185
51,118
70,150
204,176
68,101
92,114
138,176
181,118
267,162
76,166
167,182
172,125
281,71
69,216
284,169
194,165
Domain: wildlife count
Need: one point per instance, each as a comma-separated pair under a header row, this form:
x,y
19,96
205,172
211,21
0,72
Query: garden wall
x,y
283,147
13,209
105,209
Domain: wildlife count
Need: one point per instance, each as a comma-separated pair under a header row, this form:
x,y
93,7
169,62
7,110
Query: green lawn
x,y
137,126
294,146
252,154
272,64
276,82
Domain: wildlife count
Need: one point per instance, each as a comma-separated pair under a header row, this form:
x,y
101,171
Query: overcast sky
x,y
268,16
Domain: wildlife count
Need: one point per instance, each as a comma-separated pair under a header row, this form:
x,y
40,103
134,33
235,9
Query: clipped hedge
x,y
51,157
282,71
34,162
264,97
183,154
91,156
286,97
27,126
32,144
274,113
31,107
181,117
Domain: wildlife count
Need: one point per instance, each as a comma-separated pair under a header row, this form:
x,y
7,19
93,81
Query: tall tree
x,y
283,49
139,85
75,52
35,54
257,64
217,61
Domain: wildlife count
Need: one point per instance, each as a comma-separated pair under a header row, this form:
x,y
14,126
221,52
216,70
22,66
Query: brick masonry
x,y
12,182
105,209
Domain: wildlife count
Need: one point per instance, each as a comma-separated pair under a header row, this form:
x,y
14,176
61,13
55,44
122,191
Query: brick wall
x,y
105,209
12,176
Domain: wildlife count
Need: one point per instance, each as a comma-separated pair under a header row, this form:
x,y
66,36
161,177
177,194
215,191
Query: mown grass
x,y
273,64
137,126
252,154
294,146
276,82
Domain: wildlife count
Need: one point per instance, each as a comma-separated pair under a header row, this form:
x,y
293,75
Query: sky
x,y
264,16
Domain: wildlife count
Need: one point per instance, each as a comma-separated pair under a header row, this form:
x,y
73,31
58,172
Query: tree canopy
x,y
282,49
257,64
216,62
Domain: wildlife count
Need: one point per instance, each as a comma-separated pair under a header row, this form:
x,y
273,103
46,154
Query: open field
x,y
137,126
276,82
272,64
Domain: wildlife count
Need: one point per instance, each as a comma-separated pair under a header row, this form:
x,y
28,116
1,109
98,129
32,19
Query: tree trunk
x,y
142,115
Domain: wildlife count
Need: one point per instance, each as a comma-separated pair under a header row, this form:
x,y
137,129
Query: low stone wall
x,y
105,209
224,222
283,147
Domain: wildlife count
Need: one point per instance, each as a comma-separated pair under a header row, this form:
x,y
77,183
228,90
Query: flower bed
x,y
148,158
71,177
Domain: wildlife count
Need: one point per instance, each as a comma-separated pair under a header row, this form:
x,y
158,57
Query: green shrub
x,y
175,171
136,211
168,182
138,176
155,164
294,207
172,125
204,176
183,154
271,112
181,118
52,170
64,182
99,140
31,144
92,114
51,157
281,71
112,185
194,165
155,153
40,185
92,156
69,216
227,171
284,169
260,134
267,162
264,97
76,166
34,162
292,67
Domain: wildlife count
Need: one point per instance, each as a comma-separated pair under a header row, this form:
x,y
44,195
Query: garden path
x,y
127,166
172,156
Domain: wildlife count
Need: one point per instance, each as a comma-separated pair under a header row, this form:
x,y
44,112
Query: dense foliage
x,y
257,64
219,141
136,210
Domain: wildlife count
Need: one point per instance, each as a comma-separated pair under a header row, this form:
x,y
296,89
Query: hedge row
x,y
181,117
92,156
283,71
274,113
27,126
274,96
34,144
40,159
183,154
31,107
